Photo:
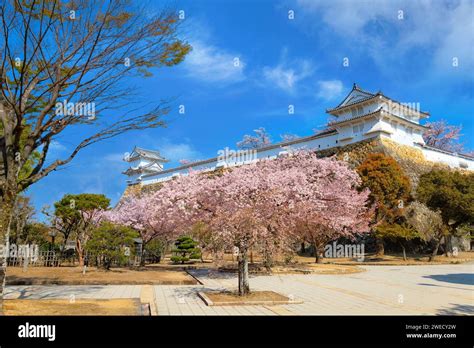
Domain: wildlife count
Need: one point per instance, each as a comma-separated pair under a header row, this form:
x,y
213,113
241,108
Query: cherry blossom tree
x,y
288,137
160,214
329,206
259,206
443,136
260,139
245,208
253,207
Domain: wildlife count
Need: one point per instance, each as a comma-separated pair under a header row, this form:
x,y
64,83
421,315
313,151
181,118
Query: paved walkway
x,y
384,290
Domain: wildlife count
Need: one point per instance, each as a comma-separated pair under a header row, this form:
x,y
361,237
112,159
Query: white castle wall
x,y
447,158
379,125
319,143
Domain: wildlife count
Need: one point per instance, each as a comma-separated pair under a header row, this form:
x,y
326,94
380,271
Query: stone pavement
x,y
383,290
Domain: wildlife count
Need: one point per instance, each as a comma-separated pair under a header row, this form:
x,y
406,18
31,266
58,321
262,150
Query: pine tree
x,y
186,249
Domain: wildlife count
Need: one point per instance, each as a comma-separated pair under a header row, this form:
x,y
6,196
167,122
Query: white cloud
x,y
329,89
178,151
442,30
213,64
114,157
56,146
286,75
55,150
349,17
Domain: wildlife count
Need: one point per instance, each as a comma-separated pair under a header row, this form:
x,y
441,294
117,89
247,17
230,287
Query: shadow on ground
x,y
40,292
457,309
456,278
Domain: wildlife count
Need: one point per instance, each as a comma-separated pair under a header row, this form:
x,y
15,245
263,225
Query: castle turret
x,y
363,114
143,162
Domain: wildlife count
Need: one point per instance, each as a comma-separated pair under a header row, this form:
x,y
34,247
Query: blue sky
x,y
404,48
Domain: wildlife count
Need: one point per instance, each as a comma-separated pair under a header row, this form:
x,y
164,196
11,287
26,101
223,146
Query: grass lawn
x,y
73,276
78,307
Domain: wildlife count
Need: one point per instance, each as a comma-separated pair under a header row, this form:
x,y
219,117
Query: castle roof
x,y
380,111
138,153
358,95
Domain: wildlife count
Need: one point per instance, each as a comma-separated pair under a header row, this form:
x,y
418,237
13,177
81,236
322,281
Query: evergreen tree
x,y
186,249
452,193
389,192
108,241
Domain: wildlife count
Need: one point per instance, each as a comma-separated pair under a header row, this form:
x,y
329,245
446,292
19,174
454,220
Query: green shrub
x,y
186,250
108,242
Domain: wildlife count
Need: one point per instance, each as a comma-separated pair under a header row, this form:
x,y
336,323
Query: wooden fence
x,y
56,259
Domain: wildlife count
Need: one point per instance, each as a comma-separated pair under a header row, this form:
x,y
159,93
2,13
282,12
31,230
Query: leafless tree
x,y
55,52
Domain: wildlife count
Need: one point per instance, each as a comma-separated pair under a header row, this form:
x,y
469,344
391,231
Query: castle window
x,y
360,110
354,112
359,128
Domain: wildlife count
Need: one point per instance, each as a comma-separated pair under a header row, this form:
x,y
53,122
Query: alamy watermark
x,y
334,250
408,108
22,251
229,156
79,109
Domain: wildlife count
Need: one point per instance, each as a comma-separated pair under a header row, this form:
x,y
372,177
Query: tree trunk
x,y
80,252
380,250
6,217
449,246
317,253
243,273
268,260
435,250
142,254
404,251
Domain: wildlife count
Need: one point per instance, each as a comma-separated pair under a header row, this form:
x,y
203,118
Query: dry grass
x,y
397,260
254,298
327,268
94,276
303,266
78,307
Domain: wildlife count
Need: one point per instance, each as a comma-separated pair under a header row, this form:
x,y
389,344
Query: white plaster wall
x,y
313,144
401,134
366,109
322,143
450,160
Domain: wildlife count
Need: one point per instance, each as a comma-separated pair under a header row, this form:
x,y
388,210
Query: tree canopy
x,y
389,186
450,192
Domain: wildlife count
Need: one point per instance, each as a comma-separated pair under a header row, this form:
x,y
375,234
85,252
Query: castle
x,y
361,116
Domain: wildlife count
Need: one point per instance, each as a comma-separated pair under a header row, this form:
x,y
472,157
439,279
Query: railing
x,y
56,259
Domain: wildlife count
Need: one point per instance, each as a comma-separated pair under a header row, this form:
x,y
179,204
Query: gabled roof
x,y
381,112
358,95
148,168
138,152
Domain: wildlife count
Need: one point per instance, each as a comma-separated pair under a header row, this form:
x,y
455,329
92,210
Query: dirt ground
x,y
397,260
148,275
78,307
255,297
166,273
297,268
